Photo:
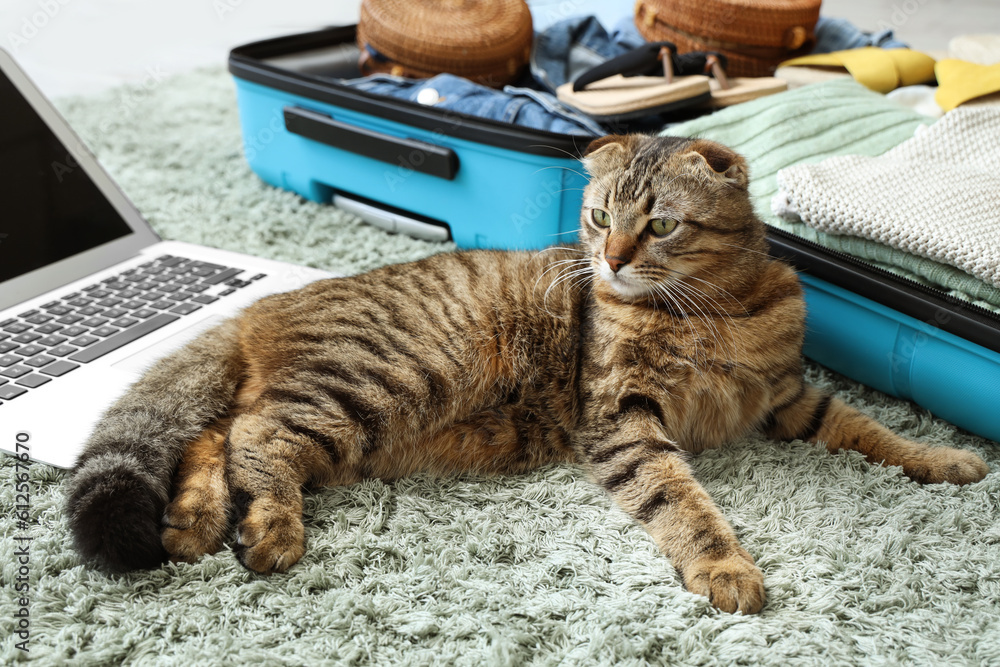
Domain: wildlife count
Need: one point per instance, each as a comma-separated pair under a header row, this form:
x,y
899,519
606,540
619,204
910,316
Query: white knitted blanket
x,y
935,195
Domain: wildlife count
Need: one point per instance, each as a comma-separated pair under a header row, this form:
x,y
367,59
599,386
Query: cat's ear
x,y
717,162
603,152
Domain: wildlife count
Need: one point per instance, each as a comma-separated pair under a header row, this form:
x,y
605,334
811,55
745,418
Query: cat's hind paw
x,y
193,527
732,583
270,537
946,464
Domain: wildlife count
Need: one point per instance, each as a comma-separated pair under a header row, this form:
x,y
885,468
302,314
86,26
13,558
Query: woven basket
x,y
487,41
755,35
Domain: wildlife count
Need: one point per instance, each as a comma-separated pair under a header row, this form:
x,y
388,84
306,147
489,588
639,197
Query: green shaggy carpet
x,y
862,565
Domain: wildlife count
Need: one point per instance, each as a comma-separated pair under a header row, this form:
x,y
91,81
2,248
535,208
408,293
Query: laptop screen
x,y
50,209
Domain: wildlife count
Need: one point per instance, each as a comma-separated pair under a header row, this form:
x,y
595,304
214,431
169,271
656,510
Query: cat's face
x,y
662,210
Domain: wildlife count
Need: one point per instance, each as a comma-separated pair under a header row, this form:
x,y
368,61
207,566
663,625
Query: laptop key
x,y
94,322
62,350
67,297
7,347
28,313
205,298
15,371
185,308
30,350
29,337
10,391
162,305
197,288
223,276
100,294
125,322
60,310
91,288
132,305
34,380
104,332
16,328
109,303
114,313
47,329
38,318
60,368
144,313
124,338
70,319
8,360
90,311
74,331
49,341
39,361
84,341
129,293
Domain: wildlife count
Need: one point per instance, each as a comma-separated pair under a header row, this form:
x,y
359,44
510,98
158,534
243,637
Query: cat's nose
x,y
616,262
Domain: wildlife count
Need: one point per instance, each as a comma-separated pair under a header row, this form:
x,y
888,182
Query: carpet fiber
x,y
861,564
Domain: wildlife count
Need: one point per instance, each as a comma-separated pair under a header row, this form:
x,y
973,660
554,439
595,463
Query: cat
x,y
666,330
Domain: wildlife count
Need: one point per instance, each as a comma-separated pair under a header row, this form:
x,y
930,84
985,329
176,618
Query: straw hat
x,y
487,41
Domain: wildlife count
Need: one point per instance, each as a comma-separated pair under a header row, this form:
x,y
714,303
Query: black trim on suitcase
x,y
247,62
419,155
930,306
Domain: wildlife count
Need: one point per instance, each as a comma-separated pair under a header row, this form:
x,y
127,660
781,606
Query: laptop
x,y
89,295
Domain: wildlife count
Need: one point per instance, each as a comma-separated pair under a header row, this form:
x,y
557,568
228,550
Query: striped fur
x,y
624,354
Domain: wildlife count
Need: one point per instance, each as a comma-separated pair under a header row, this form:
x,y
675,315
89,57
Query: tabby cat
x,y
667,330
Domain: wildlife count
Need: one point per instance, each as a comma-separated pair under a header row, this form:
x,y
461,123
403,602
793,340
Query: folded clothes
x,y
567,49
517,106
809,124
936,195
840,35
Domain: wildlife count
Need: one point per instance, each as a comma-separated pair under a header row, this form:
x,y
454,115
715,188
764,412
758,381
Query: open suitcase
x,y
485,184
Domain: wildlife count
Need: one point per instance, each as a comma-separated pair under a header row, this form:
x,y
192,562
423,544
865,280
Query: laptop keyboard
x,y
58,337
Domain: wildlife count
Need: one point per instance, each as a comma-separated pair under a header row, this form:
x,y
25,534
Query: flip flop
x,y
727,90
960,82
622,88
880,70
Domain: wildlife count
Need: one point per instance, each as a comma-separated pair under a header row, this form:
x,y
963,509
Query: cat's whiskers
x,y
722,291
729,344
662,289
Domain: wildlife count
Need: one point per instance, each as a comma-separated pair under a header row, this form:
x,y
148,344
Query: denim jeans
x,y
517,106
569,48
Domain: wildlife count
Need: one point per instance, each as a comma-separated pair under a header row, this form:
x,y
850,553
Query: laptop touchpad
x,y
139,362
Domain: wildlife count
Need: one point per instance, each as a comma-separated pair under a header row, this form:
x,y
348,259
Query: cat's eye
x,y
601,218
662,226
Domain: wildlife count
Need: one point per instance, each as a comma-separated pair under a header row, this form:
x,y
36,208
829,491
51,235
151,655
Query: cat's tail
x,y
122,480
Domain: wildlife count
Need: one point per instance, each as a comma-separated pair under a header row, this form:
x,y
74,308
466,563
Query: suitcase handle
x,y
408,153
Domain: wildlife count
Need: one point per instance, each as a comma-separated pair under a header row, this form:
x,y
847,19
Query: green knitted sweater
x,y
809,124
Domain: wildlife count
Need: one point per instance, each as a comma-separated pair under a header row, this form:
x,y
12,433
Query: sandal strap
x,y
643,61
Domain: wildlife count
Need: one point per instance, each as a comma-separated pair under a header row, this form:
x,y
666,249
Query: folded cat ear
x,y
719,163
603,152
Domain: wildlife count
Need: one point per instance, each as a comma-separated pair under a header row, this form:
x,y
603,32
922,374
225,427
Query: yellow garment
x,y
881,70
960,81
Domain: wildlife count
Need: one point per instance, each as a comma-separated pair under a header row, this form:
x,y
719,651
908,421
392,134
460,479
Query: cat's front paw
x,y
193,526
946,464
271,537
732,583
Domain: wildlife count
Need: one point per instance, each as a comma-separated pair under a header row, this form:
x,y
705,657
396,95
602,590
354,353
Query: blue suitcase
x,y
403,166
484,184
